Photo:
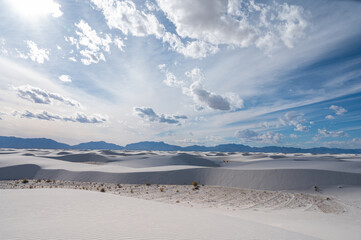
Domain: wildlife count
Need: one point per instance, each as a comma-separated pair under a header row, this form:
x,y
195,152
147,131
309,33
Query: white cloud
x,y
330,117
252,136
149,114
92,45
200,95
338,110
41,96
171,80
326,133
65,78
354,143
3,50
124,16
294,119
151,6
78,117
293,135
119,43
35,54
72,59
236,23
193,49
212,100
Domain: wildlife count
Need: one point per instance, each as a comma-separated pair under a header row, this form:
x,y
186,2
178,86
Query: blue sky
x,y
185,72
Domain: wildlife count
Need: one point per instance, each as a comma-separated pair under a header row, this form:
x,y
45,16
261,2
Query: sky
x,y
186,72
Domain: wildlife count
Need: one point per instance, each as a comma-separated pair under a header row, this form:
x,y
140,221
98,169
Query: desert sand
x,y
148,195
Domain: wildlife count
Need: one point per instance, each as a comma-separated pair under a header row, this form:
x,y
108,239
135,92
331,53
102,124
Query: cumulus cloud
x,y
237,23
35,54
193,49
294,119
65,78
94,45
124,16
330,117
252,136
201,95
211,99
150,115
170,80
41,96
78,117
338,110
334,134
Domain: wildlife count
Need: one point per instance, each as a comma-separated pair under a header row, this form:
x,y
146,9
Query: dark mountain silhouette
x,y
40,143
98,145
44,143
156,146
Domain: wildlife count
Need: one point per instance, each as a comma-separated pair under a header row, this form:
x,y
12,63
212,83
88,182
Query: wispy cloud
x,y
334,134
252,136
149,114
38,95
78,117
65,78
35,54
294,119
338,110
92,45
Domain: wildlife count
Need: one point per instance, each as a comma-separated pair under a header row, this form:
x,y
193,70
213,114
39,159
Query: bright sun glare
x,y
36,8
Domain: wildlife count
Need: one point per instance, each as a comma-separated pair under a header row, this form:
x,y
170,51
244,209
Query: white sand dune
x,y
70,214
256,171
219,210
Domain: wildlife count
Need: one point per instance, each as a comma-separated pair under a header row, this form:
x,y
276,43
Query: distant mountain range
x,y
44,143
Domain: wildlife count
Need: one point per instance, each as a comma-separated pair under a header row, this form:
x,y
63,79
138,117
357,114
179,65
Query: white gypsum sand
x,y
280,202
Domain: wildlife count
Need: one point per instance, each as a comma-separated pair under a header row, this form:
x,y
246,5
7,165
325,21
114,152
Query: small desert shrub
x,y
195,188
177,191
102,190
31,186
315,188
48,181
161,189
148,184
25,180
177,201
131,191
195,184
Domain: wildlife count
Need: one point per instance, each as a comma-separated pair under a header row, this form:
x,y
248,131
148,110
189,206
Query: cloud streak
x,y
78,117
149,114
41,96
252,136
35,53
